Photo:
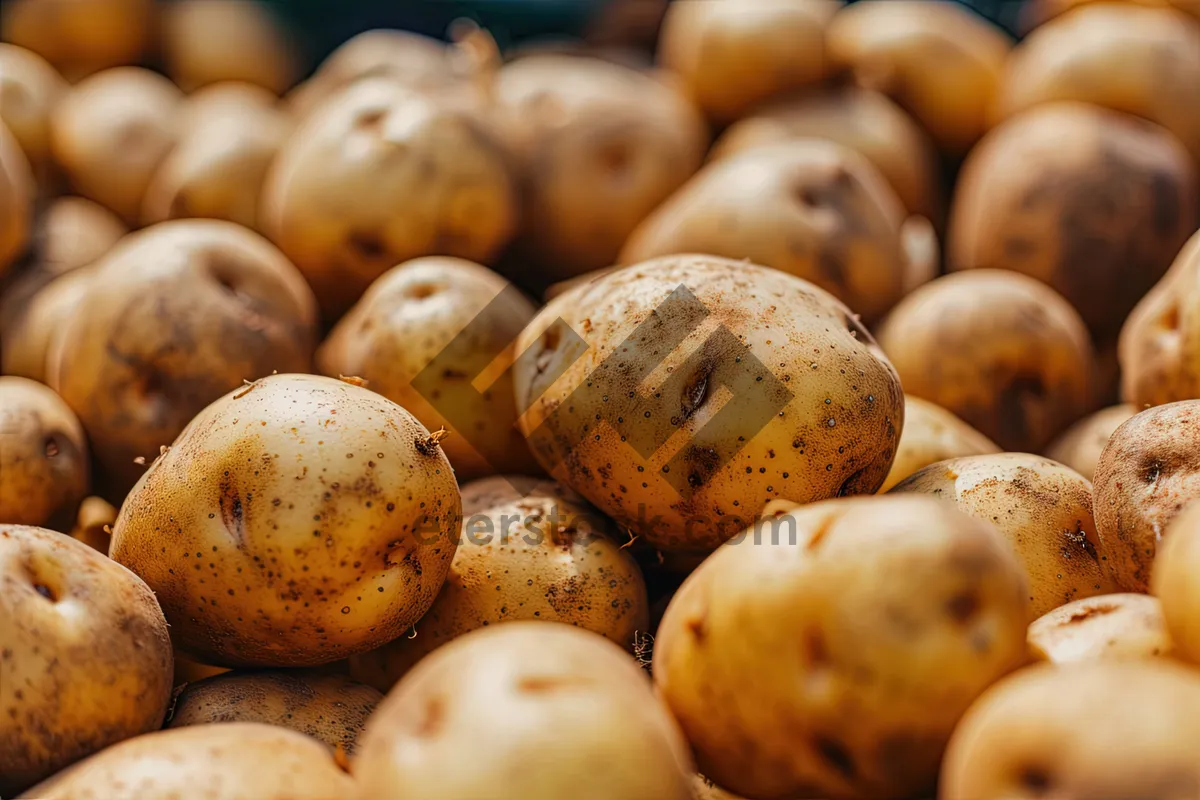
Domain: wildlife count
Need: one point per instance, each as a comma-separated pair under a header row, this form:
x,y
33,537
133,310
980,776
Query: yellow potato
x,y
1174,582
73,232
233,40
27,344
16,200
1081,445
1038,12
1109,626
932,434
80,37
93,526
482,494
836,660
29,90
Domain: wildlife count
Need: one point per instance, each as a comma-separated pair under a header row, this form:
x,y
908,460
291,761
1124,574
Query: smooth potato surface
x,y
932,434
235,40
1109,626
1174,582
27,344
80,37
16,199
1080,446
29,90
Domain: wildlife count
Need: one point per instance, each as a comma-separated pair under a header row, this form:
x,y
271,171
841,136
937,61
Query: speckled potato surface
x,y
1174,582
932,434
29,90
84,654
307,518
1101,628
16,200
80,37
1080,446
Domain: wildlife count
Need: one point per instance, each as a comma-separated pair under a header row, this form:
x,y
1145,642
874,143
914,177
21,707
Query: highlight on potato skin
x,y
1101,628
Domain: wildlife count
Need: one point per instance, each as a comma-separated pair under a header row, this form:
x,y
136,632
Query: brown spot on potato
x,y
835,755
1012,406
963,607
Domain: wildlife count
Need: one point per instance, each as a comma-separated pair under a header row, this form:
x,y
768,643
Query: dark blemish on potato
x,y
366,246
963,607
1164,199
853,485
835,754
433,715
1152,471
815,648
695,392
1036,779
1012,407
1089,613
45,591
697,627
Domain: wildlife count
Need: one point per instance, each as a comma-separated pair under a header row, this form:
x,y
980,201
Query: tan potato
x,y
838,623
315,520
16,200
403,339
80,37
110,133
817,414
83,650
546,556
1044,511
1106,627
43,458
72,233
1021,365
238,761
938,60
599,146
233,40
552,703
808,207
932,434
1042,731
1038,12
480,495
1174,582
26,346
176,316
1124,56
1080,446
1100,221
93,525
29,90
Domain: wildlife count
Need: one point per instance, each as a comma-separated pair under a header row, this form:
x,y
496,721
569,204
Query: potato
x,y
999,349
936,59
932,434
27,344
599,147
1042,731
238,761
80,37
381,176
16,200
44,457
176,316
1080,446
1044,511
72,233
83,650
1038,12
545,556
1146,473
1124,56
29,90
484,493
314,519
814,409
1174,582
860,119
1100,222
731,55
1110,626
402,338
809,207
234,40
110,133
839,623
93,526
329,708
552,704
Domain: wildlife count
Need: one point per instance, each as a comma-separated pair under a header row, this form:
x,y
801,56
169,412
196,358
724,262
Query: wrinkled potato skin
x,y
26,346
405,323
29,90
338,509
1044,511
855,711
1081,445
1110,626
576,698
16,200
80,37
1174,582
1099,222
833,404
1022,364
84,668
932,434
206,43
1044,726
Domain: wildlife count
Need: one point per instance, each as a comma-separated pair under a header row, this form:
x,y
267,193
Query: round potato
x,y
1021,366
26,346
809,207
1038,12
1174,582
313,519
932,434
815,409
80,37
16,200
838,625
938,60
234,40
1110,626
1044,511
1042,731
84,653
110,133
421,336
72,233
29,90
480,495
551,701
1080,446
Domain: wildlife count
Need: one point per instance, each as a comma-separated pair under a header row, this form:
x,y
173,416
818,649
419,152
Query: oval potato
x,y
1174,582
932,434
29,90
234,40
80,37
16,200
1080,446
1109,626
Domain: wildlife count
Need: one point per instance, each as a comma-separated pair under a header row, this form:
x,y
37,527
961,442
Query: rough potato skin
x,y
409,321
552,703
79,38
832,404
1021,366
16,200
330,708
293,523
29,90
1043,730
839,630
1109,626
1080,446
932,434
84,655
1174,582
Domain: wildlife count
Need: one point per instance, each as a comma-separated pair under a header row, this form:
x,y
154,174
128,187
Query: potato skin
x,y
16,200
26,346
29,90
1109,626
833,405
1044,511
552,701
1080,446
205,43
337,506
932,434
1174,582
80,37
84,652
1022,364
840,625
1039,12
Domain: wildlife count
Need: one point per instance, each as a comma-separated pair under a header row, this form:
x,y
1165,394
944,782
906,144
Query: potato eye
x,y
52,447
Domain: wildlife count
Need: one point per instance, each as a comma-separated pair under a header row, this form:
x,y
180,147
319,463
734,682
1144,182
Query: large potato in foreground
x,y
29,90
814,409
932,434
554,704
1174,582
1109,626
16,200
837,662
233,40
80,37
309,519
1081,445
84,655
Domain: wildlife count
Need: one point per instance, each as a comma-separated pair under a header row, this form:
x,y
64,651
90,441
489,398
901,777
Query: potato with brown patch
x,y
84,654
838,618
767,386
1102,628
1021,366
421,336
552,703
1081,445
932,434
29,90
1174,582
80,37
311,519
234,40
16,200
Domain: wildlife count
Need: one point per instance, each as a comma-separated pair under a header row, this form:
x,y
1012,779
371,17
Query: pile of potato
x,y
814,413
